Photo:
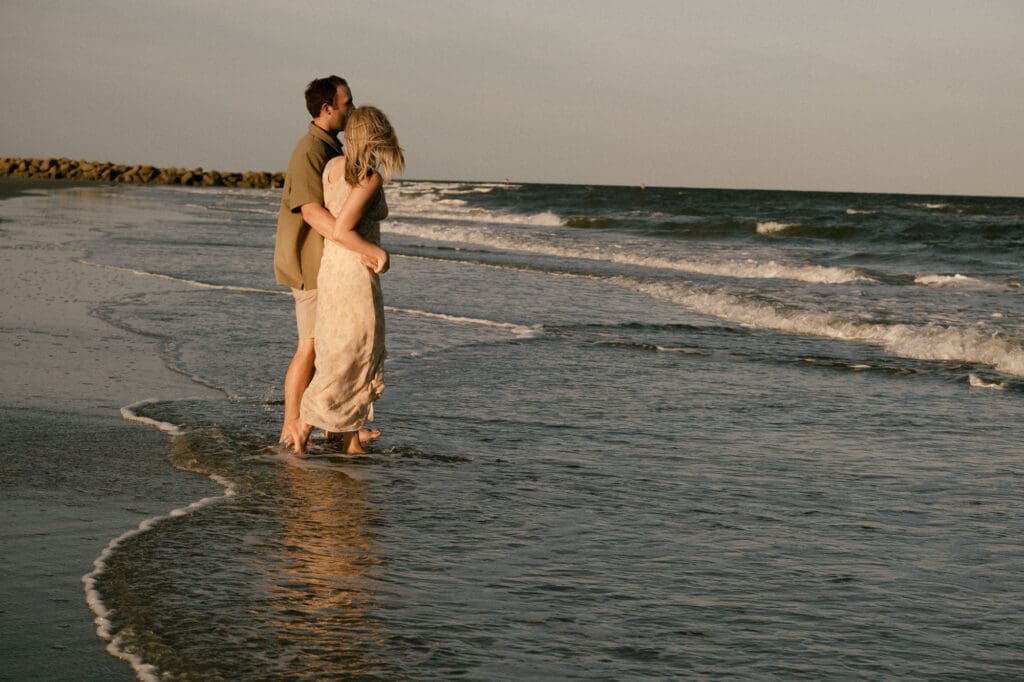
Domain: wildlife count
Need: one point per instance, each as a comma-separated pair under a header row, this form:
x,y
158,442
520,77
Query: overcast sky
x,y
889,95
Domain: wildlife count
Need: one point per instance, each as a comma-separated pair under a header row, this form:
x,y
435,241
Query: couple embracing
x,y
328,251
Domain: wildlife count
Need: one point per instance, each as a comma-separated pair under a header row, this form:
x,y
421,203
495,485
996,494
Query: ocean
x,y
629,433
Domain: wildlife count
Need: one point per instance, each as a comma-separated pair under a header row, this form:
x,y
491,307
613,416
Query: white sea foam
x,y
479,188
419,205
978,382
746,269
233,209
956,280
447,210
421,186
923,342
129,414
189,282
546,218
104,627
931,206
854,211
773,227
427,206
517,329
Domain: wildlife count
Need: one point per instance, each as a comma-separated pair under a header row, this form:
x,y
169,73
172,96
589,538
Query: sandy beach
x,y
63,442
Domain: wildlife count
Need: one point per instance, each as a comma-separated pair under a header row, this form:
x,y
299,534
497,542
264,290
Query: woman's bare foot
x,y
351,443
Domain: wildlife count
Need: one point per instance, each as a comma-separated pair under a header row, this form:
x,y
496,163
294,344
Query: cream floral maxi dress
x,y
349,323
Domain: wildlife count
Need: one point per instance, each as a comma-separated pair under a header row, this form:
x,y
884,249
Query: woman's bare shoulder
x,y
335,169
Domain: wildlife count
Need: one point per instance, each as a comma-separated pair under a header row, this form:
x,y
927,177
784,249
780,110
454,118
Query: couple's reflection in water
x,y
328,565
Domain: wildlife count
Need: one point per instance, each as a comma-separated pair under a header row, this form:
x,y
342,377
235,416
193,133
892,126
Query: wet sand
x,y
73,473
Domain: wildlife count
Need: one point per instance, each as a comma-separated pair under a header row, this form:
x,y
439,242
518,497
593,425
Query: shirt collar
x,y
321,134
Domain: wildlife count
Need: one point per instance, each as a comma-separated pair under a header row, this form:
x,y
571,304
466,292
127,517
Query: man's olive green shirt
x,y
298,247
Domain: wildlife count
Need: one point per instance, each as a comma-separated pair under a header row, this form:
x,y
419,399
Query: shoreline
x,y
14,186
75,474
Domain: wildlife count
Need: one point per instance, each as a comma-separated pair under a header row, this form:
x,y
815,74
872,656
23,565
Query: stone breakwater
x,y
103,171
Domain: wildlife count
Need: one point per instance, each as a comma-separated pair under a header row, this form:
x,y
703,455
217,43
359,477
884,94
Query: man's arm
x,y
319,218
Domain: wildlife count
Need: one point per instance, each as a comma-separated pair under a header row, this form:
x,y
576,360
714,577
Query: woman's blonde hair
x,y
371,144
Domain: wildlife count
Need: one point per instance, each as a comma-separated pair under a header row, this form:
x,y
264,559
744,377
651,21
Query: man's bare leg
x,y
350,443
296,379
366,435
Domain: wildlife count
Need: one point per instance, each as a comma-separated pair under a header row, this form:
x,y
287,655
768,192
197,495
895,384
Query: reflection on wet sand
x,y
327,562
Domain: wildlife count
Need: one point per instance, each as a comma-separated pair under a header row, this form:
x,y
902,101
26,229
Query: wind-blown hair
x,y
371,145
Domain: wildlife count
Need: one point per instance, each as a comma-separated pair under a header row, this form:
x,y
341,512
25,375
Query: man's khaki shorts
x,y
305,312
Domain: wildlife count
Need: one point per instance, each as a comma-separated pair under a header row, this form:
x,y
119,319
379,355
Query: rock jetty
x,y
103,171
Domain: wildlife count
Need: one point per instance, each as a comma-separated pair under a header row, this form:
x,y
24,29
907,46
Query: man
x,y
302,223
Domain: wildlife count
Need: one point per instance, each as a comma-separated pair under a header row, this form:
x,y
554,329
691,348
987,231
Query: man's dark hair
x,y
321,91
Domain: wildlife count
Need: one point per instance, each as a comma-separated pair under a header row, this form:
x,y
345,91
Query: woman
x,y
350,309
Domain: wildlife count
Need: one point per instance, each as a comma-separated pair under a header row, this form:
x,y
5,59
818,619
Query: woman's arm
x,y
352,210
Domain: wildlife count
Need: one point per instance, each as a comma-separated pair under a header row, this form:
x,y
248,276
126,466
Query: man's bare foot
x,y
351,443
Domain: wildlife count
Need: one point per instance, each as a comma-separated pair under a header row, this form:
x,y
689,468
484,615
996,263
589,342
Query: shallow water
x,y
676,433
